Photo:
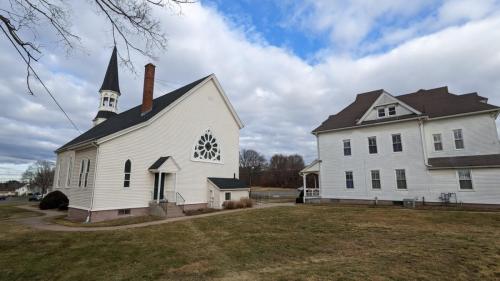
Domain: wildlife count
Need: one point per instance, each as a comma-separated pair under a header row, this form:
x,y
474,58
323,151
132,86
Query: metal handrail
x,y
179,200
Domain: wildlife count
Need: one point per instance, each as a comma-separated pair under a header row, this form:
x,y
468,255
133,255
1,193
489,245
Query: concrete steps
x,y
165,210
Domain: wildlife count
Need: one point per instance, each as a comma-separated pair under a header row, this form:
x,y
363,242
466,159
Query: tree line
x,y
280,171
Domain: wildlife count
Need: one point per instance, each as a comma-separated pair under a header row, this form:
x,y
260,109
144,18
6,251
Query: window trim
x,y
379,180
461,139
405,179
380,110
346,180
69,172
376,145
126,182
440,142
459,181
389,110
82,169
87,171
400,142
349,148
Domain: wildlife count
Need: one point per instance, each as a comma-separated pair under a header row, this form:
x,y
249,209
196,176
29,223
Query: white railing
x,y
312,192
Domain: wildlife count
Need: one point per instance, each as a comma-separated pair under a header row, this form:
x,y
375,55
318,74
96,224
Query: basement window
x,y
122,212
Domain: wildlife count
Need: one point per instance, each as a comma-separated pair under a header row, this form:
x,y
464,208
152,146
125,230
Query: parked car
x,y
35,196
3,197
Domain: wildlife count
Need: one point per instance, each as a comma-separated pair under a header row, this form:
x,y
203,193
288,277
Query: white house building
x,y
430,145
178,150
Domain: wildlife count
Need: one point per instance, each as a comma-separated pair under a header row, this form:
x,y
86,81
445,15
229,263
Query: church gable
x,y
387,106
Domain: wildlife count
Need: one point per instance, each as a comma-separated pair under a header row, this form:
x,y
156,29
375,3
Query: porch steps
x,y
173,210
165,210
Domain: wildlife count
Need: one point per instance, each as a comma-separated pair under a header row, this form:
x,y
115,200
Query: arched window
x,y
105,101
207,148
128,167
111,102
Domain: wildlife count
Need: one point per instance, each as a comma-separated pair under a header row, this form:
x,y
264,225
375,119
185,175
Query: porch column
x,y
305,187
158,187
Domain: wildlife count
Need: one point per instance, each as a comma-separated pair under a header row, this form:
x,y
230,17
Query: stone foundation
x,y
189,207
417,203
78,215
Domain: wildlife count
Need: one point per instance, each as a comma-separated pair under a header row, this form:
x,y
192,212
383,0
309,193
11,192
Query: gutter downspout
x,y
424,146
89,214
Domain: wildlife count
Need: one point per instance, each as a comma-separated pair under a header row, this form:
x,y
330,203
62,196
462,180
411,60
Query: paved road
x,y
43,224
15,200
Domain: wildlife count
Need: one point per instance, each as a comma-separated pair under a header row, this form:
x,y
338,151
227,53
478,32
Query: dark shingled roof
x,y
431,103
490,160
159,162
105,114
111,78
131,117
229,183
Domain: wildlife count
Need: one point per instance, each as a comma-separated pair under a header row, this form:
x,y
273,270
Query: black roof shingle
x,y
110,81
229,183
130,117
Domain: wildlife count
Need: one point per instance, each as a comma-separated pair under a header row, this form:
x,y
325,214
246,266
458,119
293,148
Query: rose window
x,y
207,148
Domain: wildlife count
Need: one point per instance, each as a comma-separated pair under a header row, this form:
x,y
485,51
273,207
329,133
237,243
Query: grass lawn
x,y
284,243
11,212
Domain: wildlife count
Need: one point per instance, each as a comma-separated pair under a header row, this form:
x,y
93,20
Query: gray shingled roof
x,y
432,103
490,160
229,183
131,117
110,81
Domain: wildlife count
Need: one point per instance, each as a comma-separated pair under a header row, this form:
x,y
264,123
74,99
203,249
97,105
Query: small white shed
x,y
226,189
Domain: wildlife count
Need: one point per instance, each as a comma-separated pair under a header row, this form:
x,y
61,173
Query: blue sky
x,y
285,66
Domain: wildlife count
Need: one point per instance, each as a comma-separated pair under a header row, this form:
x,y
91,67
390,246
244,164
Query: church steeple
x,y
109,92
111,78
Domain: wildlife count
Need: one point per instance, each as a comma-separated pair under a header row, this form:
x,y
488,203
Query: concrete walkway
x,y
42,223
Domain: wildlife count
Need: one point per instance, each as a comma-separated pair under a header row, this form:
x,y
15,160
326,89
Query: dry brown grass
x,y
285,243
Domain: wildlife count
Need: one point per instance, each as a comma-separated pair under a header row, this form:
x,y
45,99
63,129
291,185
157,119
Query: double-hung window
x,y
392,110
372,145
347,147
381,112
401,179
397,145
438,143
349,179
459,138
376,179
465,179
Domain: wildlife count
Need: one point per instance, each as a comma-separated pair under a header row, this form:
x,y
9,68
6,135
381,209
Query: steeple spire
x,y
109,92
111,78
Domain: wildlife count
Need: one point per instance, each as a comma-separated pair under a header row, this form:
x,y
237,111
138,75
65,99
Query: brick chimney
x,y
147,94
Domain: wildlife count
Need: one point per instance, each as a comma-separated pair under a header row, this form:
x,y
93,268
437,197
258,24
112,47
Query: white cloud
x,y
279,96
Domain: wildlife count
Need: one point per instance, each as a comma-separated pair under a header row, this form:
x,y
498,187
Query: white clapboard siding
x,y
479,133
173,134
79,197
480,138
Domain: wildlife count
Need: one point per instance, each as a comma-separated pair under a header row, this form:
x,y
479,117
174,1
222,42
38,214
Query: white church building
x,y
429,146
176,152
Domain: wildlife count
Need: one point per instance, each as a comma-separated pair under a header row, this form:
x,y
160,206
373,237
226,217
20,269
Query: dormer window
x,y
392,110
381,112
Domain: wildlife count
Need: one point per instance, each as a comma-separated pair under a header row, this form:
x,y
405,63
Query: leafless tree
x,y
132,23
251,159
40,174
